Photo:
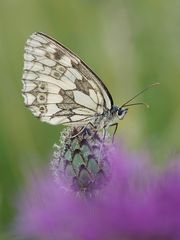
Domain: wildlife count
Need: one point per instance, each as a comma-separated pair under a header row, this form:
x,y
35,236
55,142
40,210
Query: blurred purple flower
x,y
138,203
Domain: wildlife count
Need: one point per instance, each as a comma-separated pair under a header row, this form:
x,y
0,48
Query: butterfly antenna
x,y
139,103
139,93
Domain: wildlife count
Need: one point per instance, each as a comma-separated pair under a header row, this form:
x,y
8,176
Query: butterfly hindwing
x,y
58,86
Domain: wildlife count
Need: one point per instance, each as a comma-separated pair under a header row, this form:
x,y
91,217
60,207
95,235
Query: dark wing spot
x,y
56,74
58,55
65,112
83,85
42,109
75,65
67,96
68,106
70,94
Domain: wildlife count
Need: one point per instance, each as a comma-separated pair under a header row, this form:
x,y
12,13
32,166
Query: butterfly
x,y
59,88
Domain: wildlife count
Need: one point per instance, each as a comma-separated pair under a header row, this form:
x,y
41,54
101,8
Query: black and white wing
x,y
59,88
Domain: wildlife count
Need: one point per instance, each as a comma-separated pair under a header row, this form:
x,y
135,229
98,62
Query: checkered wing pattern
x,y
58,87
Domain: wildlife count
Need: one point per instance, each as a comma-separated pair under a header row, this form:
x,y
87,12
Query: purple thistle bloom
x,y
138,203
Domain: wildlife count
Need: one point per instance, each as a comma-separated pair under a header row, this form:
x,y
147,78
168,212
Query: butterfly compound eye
x,y
122,112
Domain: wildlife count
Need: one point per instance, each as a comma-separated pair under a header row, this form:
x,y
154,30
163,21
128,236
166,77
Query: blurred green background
x,y
129,44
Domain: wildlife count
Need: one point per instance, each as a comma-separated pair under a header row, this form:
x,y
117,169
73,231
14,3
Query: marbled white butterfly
x,y
59,88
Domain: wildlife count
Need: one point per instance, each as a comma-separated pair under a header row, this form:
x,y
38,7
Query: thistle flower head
x,y
81,160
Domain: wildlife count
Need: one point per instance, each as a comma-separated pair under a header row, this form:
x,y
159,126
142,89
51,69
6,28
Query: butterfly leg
x,y
115,129
82,129
91,124
104,133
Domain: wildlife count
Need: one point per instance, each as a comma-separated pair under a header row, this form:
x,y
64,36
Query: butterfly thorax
x,y
109,117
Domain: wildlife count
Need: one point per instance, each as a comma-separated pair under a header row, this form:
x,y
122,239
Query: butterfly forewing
x,y
58,86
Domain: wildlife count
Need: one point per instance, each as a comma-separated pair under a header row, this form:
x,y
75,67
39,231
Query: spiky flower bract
x,y
137,202
81,160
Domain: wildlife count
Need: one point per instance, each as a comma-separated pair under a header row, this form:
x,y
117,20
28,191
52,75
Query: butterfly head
x,y
121,112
